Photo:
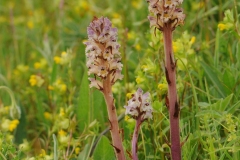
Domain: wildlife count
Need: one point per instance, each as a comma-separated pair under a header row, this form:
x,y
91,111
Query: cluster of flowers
x,y
139,106
102,52
165,11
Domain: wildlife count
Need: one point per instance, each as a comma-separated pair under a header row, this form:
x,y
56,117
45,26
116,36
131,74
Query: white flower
x,y
139,105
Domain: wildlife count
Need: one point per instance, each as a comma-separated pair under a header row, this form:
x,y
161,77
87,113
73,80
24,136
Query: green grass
x,y
61,117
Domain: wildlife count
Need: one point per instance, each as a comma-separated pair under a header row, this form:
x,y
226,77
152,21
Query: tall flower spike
x,y
104,67
139,106
165,11
102,52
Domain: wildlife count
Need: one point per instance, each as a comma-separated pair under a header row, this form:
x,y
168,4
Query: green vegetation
x,y
43,78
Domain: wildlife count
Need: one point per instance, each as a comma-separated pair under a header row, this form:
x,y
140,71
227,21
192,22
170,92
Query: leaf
x,y
83,107
99,107
217,108
54,73
224,103
55,149
229,79
214,78
21,132
104,151
216,54
84,154
233,108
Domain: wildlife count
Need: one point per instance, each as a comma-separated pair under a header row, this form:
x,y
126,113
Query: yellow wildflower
x,y
63,87
175,48
144,67
37,65
50,87
116,15
63,53
193,39
222,26
60,86
47,115
30,24
5,124
64,123
43,153
3,19
77,150
36,80
136,4
33,80
25,146
21,69
57,59
162,86
4,110
62,112
84,4
129,95
139,79
128,119
13,125
62,133
138,47
64,58
41,64
131,35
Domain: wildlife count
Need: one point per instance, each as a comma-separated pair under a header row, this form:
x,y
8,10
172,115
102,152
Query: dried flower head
x,y
164,12
139,106
102,52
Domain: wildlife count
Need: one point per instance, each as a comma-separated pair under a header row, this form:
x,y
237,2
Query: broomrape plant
x,y
104,63
166,16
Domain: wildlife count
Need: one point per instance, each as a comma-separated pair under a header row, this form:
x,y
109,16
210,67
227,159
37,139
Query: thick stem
x,y
113,120
174,108
135,139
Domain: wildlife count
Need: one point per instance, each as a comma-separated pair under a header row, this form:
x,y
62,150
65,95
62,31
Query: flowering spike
x,y
139,106
104,66
102,52
165,11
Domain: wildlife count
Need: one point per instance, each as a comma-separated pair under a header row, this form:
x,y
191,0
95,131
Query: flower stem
x,y
174,108
135,139
113,120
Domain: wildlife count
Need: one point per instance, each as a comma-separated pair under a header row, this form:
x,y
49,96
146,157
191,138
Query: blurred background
x,y
42,62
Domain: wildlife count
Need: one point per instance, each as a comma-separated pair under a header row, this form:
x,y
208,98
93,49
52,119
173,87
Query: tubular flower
x,y
102,52
139,106
165,11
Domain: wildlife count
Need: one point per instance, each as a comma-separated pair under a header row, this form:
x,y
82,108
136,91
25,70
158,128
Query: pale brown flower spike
x,y
104,67
165,11
102,52
166,16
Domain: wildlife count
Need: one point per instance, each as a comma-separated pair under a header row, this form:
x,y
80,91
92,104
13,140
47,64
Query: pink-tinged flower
x,y
164,12
139,106
102,52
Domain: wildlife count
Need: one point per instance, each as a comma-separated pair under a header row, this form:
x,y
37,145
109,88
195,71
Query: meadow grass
x,y
42,62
